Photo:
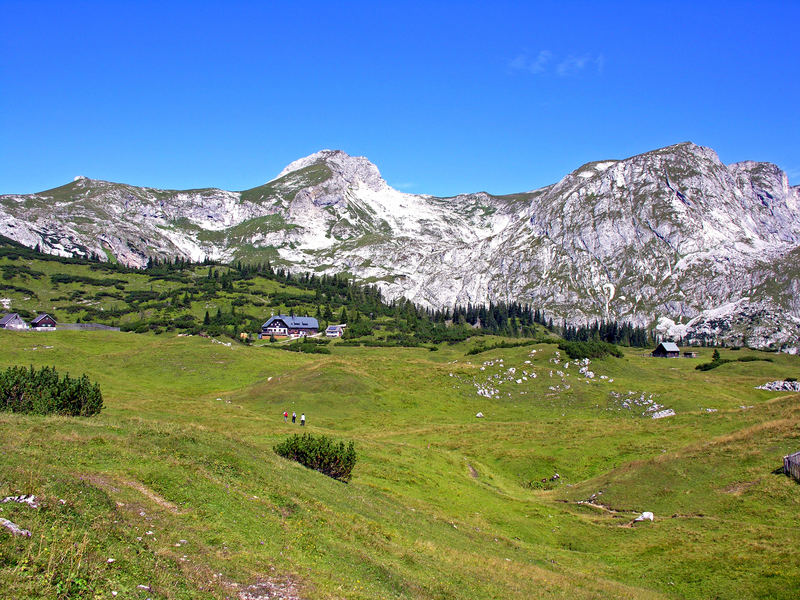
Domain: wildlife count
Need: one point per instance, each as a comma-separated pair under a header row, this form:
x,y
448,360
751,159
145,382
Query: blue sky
x,y
443,97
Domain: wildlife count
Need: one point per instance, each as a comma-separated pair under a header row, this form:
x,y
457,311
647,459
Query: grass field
x,y
176,480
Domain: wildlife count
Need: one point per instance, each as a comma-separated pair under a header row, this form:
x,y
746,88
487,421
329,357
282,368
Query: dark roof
x,y
669,346
40,317
8,318
294,322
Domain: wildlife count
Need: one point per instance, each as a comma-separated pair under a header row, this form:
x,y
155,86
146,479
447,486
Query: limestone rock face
x,y
671,239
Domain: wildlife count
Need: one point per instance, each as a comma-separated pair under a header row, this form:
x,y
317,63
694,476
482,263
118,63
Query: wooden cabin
x,y
285,325
44,322
12,321
667,350
690,355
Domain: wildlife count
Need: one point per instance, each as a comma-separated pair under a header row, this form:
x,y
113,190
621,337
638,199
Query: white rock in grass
x,y
479,415
28,499
14,528
645,516
668,412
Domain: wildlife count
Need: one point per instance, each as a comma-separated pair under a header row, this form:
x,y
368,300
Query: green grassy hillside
x,y
227,300
177,482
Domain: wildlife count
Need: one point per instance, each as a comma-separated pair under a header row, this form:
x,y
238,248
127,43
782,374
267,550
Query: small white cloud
x,y
534,65
545,62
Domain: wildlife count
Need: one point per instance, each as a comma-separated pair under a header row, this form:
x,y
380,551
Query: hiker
x,y
294,416
285,416
303,420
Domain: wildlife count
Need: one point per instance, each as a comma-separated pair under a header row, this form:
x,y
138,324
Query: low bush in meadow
x,y
321,453
718,362
480,347
43,392
593,349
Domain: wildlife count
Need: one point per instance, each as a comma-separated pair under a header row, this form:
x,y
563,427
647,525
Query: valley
x,y
176,480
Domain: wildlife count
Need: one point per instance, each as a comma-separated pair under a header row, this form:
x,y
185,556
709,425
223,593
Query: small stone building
x,y
791,465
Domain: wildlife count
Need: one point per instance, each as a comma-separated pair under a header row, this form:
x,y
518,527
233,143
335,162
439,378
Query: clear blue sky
x,y
442,97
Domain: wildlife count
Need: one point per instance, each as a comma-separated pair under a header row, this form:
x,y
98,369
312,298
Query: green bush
x,y
356,330
308,346
716,362
320,453
753,358
480,347
578,350
43,392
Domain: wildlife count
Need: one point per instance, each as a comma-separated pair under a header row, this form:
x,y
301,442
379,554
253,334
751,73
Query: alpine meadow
x,y
399,300
487,466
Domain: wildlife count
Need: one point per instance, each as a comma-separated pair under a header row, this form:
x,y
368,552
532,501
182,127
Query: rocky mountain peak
x,y
672,235
352,170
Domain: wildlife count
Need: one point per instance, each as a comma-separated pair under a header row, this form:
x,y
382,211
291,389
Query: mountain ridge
x,y
671,238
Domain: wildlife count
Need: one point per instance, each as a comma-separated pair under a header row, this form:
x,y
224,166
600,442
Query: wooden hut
x,y
791,465
44,322
667,350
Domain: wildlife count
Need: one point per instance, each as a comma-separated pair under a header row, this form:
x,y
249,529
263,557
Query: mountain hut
x,y
667,350
285,325
44,322
12,321
335,331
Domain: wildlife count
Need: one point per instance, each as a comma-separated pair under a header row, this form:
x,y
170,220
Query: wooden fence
x,y
791,465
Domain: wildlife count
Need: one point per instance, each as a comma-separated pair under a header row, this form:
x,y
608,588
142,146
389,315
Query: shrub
x,y
480,348
754,358
721,361
320,453
307,346
594,349
712,365
43,392
360,329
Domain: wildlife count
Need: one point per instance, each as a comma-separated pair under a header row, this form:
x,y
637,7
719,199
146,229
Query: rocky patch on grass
x,y
14,528
28,499
636,401
271,589
780,386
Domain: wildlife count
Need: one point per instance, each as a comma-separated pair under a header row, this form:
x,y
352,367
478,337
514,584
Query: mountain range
x,y
672,239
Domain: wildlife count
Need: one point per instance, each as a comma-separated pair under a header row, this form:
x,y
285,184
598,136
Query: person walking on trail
x,y
303,420
285,416
294,416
